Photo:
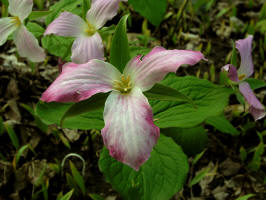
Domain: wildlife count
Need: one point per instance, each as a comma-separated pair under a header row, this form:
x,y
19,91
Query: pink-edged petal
x,y
7,26
157,64
86,48
28,45
232,72
102,11
67,24
256,108
245,48
129,131
20,8
78,82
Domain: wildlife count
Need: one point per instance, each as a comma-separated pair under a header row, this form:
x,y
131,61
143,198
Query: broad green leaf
x,y
222,124
119,54
198,177
58,46
153,11
12,135
159,178
192,140
64,5
208,100
245,197
78,178
138,50
164,93
38,14
52,113
94,103
86,6
35,29
68,195
255,83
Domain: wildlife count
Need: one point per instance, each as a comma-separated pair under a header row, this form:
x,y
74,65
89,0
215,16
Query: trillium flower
x,y
88,44
246,69
129,131
26,43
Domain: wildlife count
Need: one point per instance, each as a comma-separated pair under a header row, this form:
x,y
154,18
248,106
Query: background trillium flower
x,y
26,43
246,69
88,44
129,131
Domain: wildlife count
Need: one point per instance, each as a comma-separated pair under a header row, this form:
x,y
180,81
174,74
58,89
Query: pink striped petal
x,y
232,72
129,131
78,82
157,64
86,48
67,24
28,45
256,108
245,48
7,26
101,11
20,8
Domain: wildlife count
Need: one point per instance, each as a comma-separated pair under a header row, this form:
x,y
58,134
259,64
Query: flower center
x,y
241,77
90,30
16,21
123,85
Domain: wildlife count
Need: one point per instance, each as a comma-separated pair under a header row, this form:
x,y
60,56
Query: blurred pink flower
x,y
246,69
26,43
88,44
129,131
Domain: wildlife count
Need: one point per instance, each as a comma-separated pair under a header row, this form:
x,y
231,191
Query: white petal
x,y
86,48
78,82
67,24
7,26
102,11
129,131
20,8
28,45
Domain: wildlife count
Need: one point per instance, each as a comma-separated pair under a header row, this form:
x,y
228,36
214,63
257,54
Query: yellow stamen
x,y
16,21
124,85
90,30
241,76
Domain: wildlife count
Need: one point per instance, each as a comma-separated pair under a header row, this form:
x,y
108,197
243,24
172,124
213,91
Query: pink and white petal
x,y
129,131
7,26
28,45
245,48
154,66
86,48
67,24
256,108
78,82
232,72
20,8
101,11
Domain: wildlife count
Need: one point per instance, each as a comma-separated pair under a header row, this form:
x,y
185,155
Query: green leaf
x,y
164,93
119,54
1,126
209,100
159,178
199,176
78,178
222,124
86,7
192,140
198,157
153,11
64,5
68,195
138,50
94,103
35,29
12,135
96,197
58,46
255,163
38,14
255,83
20,152
52,113
245,197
